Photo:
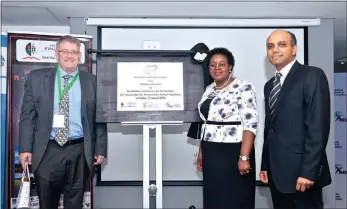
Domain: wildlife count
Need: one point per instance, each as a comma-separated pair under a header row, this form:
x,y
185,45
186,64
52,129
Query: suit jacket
x,y
36,117
194,130
296,135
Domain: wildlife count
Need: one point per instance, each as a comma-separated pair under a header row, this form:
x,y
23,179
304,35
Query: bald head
x,y
292,37
281,48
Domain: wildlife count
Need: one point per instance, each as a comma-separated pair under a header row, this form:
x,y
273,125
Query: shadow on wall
x,y
269,69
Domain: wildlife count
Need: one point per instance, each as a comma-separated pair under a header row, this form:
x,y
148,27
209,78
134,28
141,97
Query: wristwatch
x,y
244,158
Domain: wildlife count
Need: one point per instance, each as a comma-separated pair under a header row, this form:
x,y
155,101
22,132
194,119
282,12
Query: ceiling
x,y
49,12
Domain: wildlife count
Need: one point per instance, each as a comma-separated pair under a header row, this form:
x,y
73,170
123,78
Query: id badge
x,y
58,120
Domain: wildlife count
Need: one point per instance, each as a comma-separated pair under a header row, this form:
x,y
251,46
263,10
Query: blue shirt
x,y
75,123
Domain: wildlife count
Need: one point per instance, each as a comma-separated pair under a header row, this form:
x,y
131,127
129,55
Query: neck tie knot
x,y
278,75
67,77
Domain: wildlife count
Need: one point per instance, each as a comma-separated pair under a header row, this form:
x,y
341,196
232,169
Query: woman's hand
x,y
199,161
244,167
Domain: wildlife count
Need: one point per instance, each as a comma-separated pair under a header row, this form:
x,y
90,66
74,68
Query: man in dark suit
x,y
58,134
297,126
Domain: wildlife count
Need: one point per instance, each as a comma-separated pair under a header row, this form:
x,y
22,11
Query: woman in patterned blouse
x,y
230,120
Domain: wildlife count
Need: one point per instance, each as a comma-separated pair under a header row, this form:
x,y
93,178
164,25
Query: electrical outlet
x,y
151,45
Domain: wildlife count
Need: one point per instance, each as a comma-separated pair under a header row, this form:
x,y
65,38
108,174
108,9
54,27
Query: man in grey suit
x,y
58,133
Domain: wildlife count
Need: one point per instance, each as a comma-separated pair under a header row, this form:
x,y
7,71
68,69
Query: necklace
x,y
214,93
222,86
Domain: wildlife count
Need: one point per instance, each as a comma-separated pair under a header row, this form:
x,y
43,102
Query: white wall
x,y
29,28
56,12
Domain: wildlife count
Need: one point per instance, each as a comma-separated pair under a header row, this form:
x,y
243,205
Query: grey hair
x,y
69,39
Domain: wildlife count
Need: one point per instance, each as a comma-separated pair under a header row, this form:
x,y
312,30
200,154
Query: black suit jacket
x,y
296,135
195,128
36,117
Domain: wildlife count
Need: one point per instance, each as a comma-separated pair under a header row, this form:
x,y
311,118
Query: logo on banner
x,y
339,117
30,50
339,169
40,51
22,77
338,197
128,104
339,92
150,68
2,60
337,144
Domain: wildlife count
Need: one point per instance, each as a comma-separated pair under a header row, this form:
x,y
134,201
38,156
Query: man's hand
x,y
263,177
98,160
23,157
303,184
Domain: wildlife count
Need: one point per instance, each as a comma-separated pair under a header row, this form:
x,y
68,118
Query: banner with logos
x,y
3,112
28,52
340,90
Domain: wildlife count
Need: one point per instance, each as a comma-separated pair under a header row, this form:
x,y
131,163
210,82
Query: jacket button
x,y
271,130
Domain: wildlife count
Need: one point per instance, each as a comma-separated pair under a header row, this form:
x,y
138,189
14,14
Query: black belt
x,y
71,141
223,122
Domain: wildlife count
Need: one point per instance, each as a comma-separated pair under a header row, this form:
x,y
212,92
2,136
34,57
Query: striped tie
x,y
274,92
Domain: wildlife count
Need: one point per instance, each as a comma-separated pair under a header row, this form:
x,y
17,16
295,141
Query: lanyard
x,y
68,87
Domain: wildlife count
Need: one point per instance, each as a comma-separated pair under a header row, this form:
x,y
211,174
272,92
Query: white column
x,y
159,166
145,164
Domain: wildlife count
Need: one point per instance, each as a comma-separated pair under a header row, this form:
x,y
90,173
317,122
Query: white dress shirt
x,y
284,71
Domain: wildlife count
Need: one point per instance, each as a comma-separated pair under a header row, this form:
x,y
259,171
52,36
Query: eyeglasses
x,y
66,52
214,66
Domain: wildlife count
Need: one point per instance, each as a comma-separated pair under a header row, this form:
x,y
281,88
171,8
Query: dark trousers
x,y
63,170
310,199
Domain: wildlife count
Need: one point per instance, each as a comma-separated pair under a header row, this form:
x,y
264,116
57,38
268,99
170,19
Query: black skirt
x,y
223,186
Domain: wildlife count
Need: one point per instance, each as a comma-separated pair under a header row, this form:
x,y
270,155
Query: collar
x,y
225,88
62,72
286,69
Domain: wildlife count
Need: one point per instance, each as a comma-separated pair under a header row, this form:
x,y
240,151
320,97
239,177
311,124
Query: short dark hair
x,y
222,51
293,40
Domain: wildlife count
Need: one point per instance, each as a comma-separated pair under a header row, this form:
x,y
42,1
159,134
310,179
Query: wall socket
x,y
151,45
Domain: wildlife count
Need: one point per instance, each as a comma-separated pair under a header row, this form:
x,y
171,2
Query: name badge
x,y
58,121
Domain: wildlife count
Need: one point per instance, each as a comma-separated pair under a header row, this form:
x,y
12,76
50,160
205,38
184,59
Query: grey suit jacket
x,y
36,117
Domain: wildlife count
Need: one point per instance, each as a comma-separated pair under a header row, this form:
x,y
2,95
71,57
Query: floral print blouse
x,y
235,103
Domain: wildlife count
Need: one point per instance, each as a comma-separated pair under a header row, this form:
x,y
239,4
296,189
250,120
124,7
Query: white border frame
x,y
201,22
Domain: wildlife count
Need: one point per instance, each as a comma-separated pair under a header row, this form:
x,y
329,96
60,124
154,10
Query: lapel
x,y
287,84
49,91
203,98
84,81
